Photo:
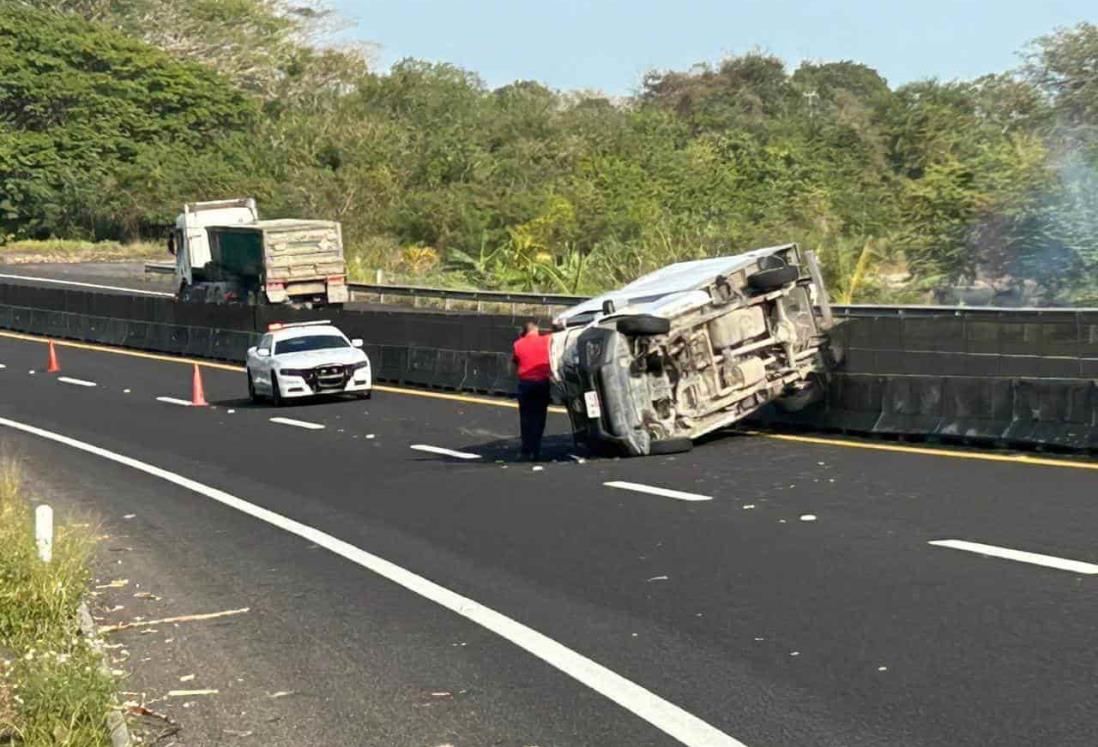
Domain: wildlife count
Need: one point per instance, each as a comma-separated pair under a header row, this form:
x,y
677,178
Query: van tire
x,y
774,278
670,446
643,324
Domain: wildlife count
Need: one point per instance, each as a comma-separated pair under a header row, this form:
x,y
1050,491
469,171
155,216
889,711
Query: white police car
x,y
304,360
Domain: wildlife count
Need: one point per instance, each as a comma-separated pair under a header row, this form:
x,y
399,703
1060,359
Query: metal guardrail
x,y
551,300
476,296
160,268
446,295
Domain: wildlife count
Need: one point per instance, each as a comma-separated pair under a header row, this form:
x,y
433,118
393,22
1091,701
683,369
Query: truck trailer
x,y
225,254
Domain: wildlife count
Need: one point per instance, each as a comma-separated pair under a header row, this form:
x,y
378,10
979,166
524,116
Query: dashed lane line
x,y
298,423
653,490
75,382
174,401
1021,556
662,714
444,452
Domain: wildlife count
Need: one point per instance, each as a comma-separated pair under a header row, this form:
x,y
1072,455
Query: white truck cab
x,y
189,241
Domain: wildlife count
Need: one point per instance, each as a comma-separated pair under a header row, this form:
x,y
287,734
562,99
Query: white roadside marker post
x,y
43,532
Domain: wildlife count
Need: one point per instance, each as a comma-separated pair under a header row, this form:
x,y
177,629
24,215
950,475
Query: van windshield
x,y
310,342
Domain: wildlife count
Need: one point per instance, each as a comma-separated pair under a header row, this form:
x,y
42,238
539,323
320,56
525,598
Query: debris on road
x,y
186,678
189,693
118,583
280,694
181,618
656,578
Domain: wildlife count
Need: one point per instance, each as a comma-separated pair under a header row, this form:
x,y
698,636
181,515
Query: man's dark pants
x,y
533,397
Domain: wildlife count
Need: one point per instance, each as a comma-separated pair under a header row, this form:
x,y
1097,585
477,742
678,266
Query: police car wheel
x,y
276,393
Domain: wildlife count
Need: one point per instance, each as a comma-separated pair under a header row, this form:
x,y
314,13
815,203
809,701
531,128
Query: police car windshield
x,y
310,342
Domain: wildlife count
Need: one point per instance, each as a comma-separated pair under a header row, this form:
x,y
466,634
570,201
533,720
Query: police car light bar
x,y
275,326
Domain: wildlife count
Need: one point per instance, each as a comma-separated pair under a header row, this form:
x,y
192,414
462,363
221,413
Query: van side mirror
x,y
263,352
357,342
171,245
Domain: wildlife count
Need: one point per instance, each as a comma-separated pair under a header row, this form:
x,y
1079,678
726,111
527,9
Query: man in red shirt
x,y
532,362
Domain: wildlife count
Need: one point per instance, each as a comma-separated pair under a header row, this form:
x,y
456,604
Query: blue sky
x,y
608,44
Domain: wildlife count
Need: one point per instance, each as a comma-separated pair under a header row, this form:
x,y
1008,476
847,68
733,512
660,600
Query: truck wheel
x,y
670,446
276,393
643,324
773,279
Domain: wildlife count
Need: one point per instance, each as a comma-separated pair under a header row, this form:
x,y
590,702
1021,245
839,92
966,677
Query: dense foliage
x,y
114,112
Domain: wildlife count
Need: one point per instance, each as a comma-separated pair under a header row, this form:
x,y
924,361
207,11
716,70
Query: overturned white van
x,y
691,348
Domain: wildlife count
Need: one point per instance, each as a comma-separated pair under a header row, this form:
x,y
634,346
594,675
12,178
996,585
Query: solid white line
x,y
664,715
444,452
665,492
174,401
76,382
87,285
1049,561
298,423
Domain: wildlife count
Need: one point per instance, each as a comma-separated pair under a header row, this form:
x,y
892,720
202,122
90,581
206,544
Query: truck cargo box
x,y
283,260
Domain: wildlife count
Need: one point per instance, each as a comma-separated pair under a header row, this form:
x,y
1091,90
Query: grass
x,y
74,250
52,689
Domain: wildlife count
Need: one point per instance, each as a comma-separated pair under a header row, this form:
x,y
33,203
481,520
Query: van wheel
x,y
670,446
643,324
773,279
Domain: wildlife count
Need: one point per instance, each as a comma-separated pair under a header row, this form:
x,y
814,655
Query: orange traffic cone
x,y
53,366
198,397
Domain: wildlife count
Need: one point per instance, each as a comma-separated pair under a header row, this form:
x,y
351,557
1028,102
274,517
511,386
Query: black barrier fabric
x,y
1058,413
979,342
1006,377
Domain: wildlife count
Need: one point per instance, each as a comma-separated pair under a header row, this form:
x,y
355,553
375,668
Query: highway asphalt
x,y
103,277
785,594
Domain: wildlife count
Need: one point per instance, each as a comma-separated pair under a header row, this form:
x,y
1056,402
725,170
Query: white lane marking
x,y
75,382
298,423
1049,561
665,492
444,452
664,715
174,401
2,365
87,285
